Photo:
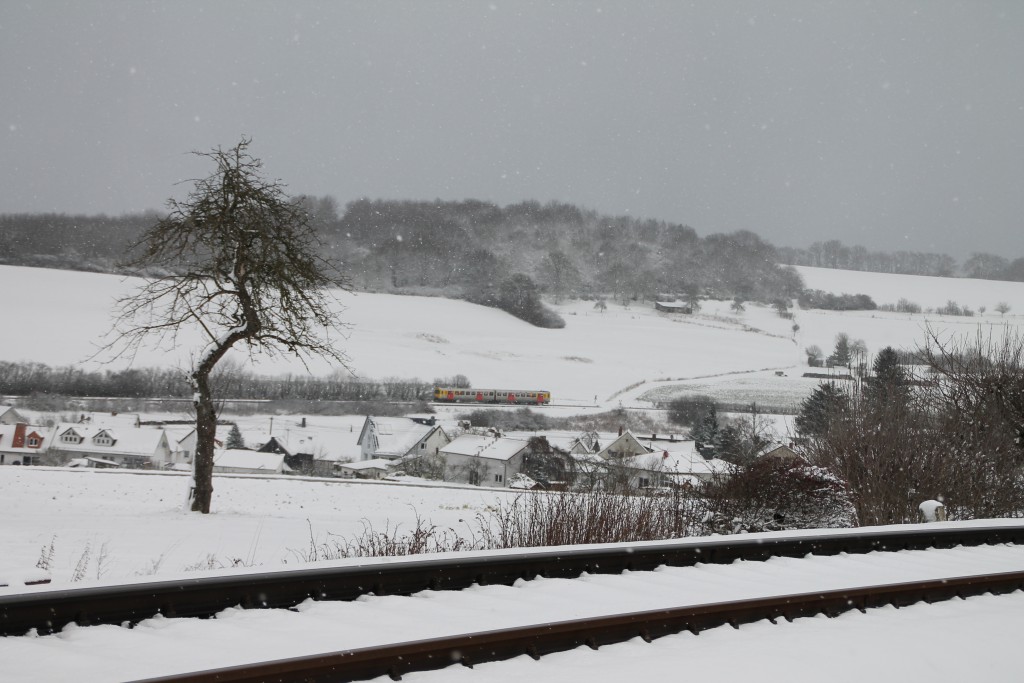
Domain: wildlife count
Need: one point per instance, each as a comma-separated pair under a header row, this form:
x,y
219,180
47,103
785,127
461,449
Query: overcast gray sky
x,y
892,124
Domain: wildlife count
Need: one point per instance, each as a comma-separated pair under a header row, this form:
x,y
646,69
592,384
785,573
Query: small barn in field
x,y
673,307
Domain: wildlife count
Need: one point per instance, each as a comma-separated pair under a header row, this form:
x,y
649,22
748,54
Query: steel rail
x,y
538,640
49,610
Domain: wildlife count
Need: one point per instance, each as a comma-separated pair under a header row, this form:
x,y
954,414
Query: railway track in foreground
x,y
49,609
537,640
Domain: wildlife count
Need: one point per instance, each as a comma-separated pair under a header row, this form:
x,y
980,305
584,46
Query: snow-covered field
x,y
611,356
928,292
129,525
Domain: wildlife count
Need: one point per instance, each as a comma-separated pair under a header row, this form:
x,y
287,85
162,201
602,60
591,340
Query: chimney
x,y
303,423
620,430
19,436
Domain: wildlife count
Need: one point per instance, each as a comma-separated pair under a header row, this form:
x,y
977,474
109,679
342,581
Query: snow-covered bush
x,y
774,494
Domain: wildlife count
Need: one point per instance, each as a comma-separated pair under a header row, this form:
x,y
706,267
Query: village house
x,y
778,451
10,416
390,438
573,443
310,450
625,445
23,444
682,466
483,460
139,448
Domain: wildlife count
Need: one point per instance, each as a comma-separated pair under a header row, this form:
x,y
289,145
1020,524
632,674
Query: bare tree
x,y
238,260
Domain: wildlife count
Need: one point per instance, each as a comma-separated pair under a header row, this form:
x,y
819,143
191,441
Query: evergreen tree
x,y
731,445
889,383
819,410
841,355
235,440
705,432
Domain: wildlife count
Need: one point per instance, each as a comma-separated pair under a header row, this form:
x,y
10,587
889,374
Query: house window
x,y
498,478
103,441
423,445
33,442
644,482
27,460
70,437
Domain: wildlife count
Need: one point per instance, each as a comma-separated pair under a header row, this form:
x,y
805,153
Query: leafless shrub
x,y
45,561
391,542
774,494
83,563
573,518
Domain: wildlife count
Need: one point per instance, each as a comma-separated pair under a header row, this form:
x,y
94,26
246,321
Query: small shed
x,y
673,307
365,469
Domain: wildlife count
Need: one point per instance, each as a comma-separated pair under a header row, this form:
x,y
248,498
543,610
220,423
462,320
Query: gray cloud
x,y
889,124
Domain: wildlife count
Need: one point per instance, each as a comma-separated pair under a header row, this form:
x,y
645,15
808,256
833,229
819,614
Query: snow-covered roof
x,y
375,464
521,481
684,461
778,450
9,414
249,460
45,435
620,440
395,436
127,441
565,440
119,420
490,447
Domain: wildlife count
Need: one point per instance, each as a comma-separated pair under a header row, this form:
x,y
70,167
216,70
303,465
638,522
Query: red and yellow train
x,y
507,396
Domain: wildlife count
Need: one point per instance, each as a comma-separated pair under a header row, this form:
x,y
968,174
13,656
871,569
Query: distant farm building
x,y
673,307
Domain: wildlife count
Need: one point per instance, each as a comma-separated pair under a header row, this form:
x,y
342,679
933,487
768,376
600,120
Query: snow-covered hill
x,y
60,317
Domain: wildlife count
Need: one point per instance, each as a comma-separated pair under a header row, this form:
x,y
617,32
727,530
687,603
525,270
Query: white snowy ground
x,y
162,646
130,524
596,354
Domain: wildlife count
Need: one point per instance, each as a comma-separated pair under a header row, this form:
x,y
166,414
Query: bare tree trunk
x,y
206,431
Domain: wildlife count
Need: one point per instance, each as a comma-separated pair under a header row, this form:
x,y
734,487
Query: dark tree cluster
x,y
816,298
71,242
493,255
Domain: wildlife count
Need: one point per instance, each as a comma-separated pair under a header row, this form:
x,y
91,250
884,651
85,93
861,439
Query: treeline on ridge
x,y
834,254
26,379
508,256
